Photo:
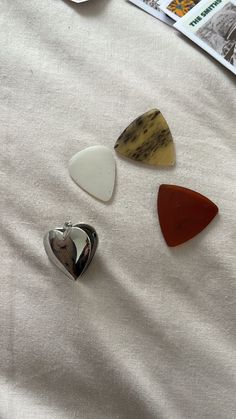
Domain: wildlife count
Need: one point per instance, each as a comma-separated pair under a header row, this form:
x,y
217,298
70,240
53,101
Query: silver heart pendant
x,y
71,248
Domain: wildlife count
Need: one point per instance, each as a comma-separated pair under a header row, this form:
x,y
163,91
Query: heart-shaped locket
x,y
71,248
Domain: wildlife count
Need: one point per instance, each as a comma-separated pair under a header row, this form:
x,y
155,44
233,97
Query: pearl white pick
x,y
93,169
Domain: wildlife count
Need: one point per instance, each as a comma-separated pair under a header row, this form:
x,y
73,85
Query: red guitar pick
x,y
183,213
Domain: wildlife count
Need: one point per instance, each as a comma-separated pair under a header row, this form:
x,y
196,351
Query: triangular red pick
x,y
183,213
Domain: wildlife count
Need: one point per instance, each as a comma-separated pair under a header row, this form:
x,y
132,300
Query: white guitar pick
x,y
78,1
93,169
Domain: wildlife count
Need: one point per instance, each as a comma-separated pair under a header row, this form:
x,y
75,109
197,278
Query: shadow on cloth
x,y
88,8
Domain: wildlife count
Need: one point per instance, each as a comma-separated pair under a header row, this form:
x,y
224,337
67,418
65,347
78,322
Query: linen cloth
x,y
149,332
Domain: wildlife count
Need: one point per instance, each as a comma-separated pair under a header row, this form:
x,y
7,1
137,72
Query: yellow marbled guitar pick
x,y
148,140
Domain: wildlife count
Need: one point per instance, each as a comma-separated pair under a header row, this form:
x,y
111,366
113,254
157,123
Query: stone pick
x,y
148,139
183,213
93,169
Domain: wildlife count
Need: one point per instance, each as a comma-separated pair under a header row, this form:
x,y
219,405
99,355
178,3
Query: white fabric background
x,y
149,333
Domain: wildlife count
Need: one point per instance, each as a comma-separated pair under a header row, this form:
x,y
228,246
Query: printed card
x,y
212,25
177,8
152,7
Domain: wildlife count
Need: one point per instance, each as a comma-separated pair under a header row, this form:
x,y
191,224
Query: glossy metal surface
x,y
71,248
93,239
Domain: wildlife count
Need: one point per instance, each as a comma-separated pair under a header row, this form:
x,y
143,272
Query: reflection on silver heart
x,y
71,248
91,232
